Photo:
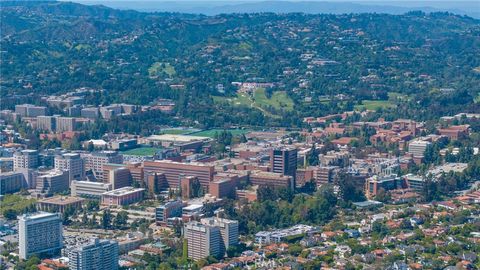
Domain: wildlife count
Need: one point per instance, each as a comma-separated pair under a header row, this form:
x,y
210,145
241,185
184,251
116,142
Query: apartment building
x,y
25,159
228,231
39,233
202,240
73,163
98,254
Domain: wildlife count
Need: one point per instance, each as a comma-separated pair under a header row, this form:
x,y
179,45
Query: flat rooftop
x,y
60,200
177,138
122,191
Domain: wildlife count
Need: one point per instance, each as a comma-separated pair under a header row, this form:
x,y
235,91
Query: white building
x,y
89,189
99,255
96,160
25,159
228,230
39,233
202,240
72,163
417,147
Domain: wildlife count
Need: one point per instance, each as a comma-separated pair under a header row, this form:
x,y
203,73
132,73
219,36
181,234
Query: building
x,y
117,176
39,233
122,196
6,164
174,171
417,148
53,181
284,161
66,124
25,159
89,189
455,132
58,204
261,178
46,123
202,240
228,230
375,183
168,210
98,254
95,161
12,182
28,110
91,113
415,182
324,174
124,144
72,163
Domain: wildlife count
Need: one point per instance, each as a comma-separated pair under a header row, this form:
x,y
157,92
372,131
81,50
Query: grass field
x,y
141,151
177,131
158,68
374,105
211,132
279,100
15,202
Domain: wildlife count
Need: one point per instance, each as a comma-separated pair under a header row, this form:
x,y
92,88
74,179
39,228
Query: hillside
x,y
135,57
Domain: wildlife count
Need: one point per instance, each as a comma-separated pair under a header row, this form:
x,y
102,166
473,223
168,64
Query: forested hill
x,y
429,62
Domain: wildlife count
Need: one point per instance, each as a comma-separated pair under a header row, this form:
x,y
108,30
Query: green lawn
x,y
141,151
177,131
159,68
374,105
15,202
278,100
211,132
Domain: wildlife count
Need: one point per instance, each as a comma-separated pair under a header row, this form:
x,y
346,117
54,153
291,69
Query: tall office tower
x,y
175,170
29,110
73,163
96,160
228,230
66,124
98,254
46,123
27,159
39,233
119,177
284,160
53,181
202,240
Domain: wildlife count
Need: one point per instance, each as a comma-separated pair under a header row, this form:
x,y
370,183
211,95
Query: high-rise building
x,y
98,254
53,181
12,182
228,230
168,210
66,124
174,171
118,176
96,160
284,161
39,233
73,163
29,110
417,148
46,123
27,159
202,240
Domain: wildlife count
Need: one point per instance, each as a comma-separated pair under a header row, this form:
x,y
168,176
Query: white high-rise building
x,y
39,233
228,230
95,161
98,255
27,159
202,240
73,163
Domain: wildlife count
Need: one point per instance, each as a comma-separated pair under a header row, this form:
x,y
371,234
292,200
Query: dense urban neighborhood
x,y
132,140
